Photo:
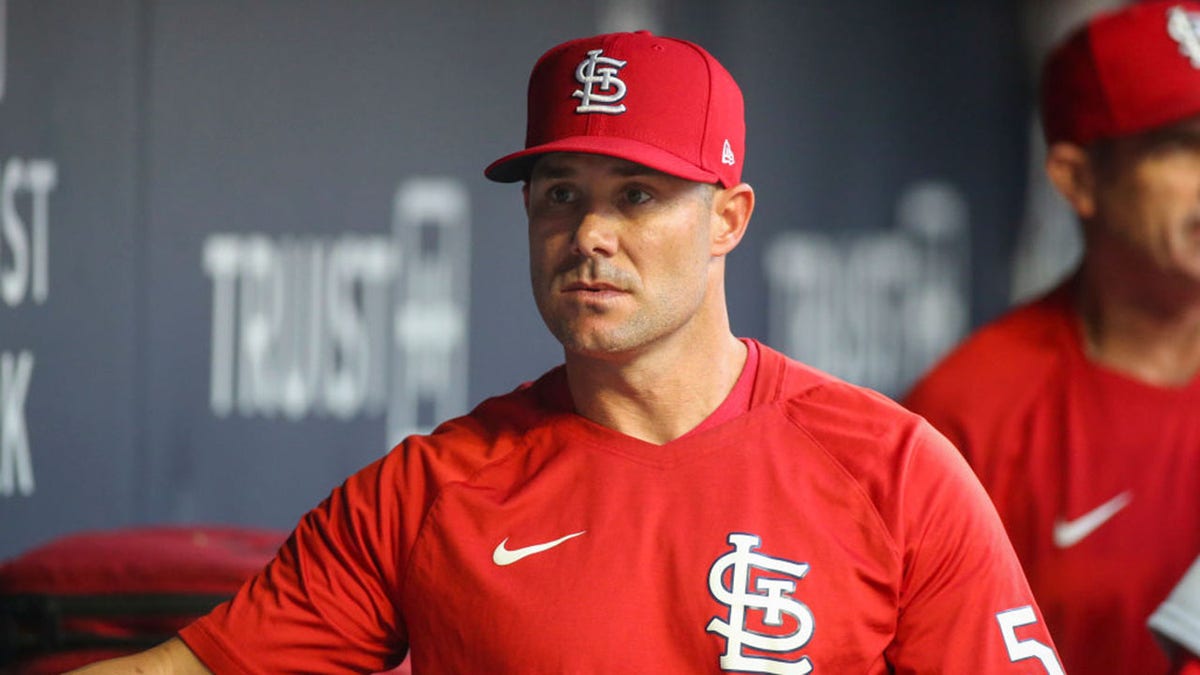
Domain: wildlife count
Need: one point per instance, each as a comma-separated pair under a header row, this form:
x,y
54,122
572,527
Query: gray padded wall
x,y
270,252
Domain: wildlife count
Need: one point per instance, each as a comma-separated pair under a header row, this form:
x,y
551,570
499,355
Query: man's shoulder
x,y
797,384
1005,361
839,414
873,439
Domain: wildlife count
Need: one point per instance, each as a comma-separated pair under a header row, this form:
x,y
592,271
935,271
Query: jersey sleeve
x,y
1176,622
328,601
941,403
965,605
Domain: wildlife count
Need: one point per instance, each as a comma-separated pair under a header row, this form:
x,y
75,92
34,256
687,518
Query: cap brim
x,y
517,166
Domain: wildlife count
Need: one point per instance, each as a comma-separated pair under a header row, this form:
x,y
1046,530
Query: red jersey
x,y
824,529
1095,475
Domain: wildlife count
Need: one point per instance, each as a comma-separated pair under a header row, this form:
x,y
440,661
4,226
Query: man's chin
x,y
594,345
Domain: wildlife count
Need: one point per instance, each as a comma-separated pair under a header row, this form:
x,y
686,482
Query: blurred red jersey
x,y
1095,475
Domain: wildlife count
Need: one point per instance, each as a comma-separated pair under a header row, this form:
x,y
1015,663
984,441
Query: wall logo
x,y
758,591
876,309
16,464
357,325
25,188
611,87
431,295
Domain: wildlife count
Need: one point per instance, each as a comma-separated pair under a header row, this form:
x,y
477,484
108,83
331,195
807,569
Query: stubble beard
x,y
593,331
580,334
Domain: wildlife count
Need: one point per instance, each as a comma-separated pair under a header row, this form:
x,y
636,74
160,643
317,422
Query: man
x,y
672,499
1080,412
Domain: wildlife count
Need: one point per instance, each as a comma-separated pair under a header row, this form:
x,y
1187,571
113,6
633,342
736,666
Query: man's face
x,y
619,254
1147,195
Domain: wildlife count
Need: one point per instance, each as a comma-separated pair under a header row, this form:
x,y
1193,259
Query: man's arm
x,y
1176,622
964,605
170,658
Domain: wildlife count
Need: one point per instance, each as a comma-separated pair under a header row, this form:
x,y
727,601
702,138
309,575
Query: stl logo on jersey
x,y
766,625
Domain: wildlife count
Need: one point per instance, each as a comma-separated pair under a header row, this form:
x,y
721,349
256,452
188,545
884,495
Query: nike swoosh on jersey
x,y
503,556
1067,533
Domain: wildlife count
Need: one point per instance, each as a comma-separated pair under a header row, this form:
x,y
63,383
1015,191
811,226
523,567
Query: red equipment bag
x,y
100,594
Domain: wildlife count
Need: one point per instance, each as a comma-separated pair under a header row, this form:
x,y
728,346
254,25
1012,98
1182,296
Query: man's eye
x,y
636,196
560,194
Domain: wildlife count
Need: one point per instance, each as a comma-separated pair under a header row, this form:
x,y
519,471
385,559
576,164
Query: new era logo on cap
x,y
657,101
1124,72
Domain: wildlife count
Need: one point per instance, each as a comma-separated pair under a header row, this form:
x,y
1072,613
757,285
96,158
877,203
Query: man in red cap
x,y
672,499
1080,412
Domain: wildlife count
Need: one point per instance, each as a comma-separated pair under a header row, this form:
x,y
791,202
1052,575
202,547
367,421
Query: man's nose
x,y
596,233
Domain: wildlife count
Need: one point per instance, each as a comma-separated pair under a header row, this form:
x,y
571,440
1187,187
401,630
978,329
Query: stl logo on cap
x,y
1183,29
589,75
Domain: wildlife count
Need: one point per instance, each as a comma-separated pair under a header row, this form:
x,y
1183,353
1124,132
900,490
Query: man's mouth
x,y
590,287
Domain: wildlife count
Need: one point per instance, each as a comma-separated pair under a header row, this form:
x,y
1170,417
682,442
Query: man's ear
x,y
731,214
1072,172
525,196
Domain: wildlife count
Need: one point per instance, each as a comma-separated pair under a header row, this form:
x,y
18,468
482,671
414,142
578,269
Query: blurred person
x,y
671,499
1048,242
1080,411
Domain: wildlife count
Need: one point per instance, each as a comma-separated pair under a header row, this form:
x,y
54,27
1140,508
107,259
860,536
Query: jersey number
x,y
1019,650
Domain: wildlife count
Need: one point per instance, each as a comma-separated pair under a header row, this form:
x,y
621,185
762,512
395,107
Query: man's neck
x,y
661,393
1142,325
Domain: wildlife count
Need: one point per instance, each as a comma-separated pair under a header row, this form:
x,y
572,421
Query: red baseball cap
x,y
661,102
1123,72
